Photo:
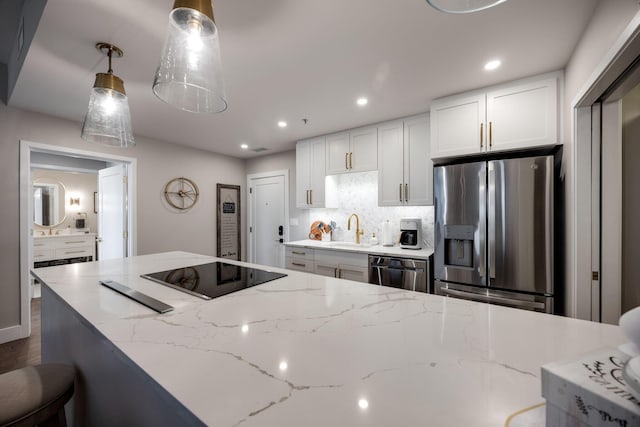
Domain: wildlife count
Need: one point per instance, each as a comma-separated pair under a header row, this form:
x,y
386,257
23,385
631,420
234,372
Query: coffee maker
x,y
411,233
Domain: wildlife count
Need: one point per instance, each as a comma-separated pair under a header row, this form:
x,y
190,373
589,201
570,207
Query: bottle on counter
x,y
374,240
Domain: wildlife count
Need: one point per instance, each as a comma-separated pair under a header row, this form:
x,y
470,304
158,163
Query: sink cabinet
x,y
405,173
343,265
325,262
516,115
353,151
63,249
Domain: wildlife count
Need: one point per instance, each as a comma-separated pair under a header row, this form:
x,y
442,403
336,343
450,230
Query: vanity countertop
x,y
41,234
312,350
395,250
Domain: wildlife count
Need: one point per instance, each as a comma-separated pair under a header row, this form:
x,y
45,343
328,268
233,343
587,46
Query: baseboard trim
x,y
13,333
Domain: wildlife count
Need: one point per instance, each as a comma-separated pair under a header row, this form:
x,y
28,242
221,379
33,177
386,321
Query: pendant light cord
x,y
110,71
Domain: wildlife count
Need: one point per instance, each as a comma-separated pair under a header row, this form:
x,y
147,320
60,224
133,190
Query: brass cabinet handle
x,y
490,134
346,160
406,192
337,273
400,192
77,241
73,252
481,135
350,160
298,264
298,253
310,197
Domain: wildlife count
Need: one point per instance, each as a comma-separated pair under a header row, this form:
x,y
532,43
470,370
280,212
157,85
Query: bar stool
x,y
36,395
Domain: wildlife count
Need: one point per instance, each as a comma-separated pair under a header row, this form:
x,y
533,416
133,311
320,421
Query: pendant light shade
x,y
189,76
463,6
108,119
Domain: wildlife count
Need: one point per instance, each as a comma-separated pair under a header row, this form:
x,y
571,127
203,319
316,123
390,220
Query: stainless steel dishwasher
x,y
403,273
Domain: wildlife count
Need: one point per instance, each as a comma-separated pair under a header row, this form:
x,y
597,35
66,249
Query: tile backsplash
x,y
358,193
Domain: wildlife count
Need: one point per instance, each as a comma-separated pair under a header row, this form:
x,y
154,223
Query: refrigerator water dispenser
x,y
458,245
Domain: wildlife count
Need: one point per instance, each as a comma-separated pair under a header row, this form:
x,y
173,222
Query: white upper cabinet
x,y
310,173
353,151
516,115
405,173
524,115
457,125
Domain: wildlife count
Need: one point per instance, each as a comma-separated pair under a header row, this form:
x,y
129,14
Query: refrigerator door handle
x,y
492,298
491,217
482,227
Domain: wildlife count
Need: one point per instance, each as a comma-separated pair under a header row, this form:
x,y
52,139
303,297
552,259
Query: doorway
x,y
605,186
268,225
28,152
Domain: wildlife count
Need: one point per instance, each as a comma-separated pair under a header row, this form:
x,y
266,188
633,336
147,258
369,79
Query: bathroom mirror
x,y
48,202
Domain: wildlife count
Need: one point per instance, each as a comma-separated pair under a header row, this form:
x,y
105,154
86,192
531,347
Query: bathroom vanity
x,y
51,250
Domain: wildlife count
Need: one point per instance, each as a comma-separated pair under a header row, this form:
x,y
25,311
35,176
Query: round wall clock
x,y
181,193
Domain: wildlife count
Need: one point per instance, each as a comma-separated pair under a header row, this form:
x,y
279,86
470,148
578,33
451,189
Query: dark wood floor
x,y
24,352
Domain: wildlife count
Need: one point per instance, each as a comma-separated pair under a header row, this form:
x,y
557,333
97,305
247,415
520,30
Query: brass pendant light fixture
x,y
463,6
108,120
189,76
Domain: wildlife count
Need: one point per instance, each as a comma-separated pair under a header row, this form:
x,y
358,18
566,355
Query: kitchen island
x,y
304,350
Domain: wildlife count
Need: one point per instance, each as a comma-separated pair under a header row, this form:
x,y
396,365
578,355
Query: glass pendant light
x,y
463,6
189,76
108,120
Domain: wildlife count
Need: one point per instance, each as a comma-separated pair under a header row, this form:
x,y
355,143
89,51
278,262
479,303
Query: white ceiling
x,y
295,59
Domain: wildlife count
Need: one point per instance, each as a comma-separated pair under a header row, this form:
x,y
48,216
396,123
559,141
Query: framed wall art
x,y
228,221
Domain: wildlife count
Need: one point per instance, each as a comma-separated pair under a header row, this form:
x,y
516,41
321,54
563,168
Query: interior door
x,y
112,212
267,220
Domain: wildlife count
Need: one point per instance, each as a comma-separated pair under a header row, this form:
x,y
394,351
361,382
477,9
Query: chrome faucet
x,y
358,231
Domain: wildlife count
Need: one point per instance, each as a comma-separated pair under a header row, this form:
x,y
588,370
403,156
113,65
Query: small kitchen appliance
x,y
411,233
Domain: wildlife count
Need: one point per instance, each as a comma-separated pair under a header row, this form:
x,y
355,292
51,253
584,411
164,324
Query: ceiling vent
x,y
258,150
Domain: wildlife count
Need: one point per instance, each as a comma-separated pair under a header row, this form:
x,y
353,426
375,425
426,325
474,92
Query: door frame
x,y
23,330
250,220
586,299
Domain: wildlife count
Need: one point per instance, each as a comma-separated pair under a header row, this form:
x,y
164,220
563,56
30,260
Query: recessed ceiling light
x,y
492,65
244,146
282,124
362,101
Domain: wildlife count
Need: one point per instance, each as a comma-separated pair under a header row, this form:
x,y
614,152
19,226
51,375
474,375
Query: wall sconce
x,y
463,6
108,120
189,76
74,201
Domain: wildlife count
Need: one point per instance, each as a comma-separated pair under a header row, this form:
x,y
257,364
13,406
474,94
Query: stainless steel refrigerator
x,y
494,232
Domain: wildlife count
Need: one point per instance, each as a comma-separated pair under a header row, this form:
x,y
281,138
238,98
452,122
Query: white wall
x,y
609,20
630,200
159,228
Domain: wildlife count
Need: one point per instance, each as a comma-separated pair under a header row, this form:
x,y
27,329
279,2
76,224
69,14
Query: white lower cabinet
x,y
343,265
300,259
55,250
325,262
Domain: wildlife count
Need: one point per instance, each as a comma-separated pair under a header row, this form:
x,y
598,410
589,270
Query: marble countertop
x,y
395,250
317,351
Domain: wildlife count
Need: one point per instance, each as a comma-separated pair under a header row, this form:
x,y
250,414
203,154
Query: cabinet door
x,y
317,173
418,167
390,162
299,265
457,125
337,153
523,115
364,150
324,269
352,272
303,150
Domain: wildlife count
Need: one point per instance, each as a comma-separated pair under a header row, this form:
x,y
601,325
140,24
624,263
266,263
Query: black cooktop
x,y
214,279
